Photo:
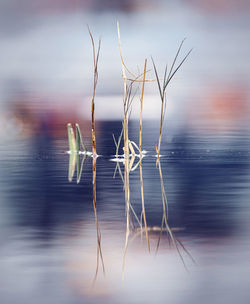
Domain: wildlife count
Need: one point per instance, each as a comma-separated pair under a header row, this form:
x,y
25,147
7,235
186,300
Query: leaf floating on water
x,y
71,138
72,147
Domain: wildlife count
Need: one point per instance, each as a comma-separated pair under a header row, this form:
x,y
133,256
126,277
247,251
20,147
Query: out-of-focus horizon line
x,y
47,6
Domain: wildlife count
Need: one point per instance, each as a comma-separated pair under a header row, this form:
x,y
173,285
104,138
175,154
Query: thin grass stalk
x,y
98,233
95,61
141,103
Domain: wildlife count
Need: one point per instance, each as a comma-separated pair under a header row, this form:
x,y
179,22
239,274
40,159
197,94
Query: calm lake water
x,y
48,234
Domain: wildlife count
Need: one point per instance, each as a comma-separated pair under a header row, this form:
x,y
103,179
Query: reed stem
x,y
95,61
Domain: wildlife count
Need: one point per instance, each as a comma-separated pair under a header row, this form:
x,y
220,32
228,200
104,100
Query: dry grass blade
x,y
174,61
98,233
180,64
157,78
124,67
95,60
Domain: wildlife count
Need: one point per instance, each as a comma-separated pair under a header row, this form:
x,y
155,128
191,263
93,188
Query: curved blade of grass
x,y
79,137
135,145
180,64
158,80
174,61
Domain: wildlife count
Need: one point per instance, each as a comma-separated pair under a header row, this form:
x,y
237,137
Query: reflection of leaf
x,y
72,165
79,168
78,136
135,145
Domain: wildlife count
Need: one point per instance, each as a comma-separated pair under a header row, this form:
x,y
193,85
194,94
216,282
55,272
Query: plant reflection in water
x,y
129,156
136,227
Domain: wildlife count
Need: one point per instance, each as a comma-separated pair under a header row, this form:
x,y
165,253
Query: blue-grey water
x,y
48,244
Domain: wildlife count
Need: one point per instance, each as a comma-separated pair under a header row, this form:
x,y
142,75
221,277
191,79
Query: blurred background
x,y
46,57
47,225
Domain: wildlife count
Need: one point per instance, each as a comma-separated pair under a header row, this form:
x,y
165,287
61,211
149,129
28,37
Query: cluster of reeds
x,y
129,146
128,151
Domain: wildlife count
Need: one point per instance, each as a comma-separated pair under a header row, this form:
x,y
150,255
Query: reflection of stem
x,y
79,168
143,206
140,149
120,171
164,202
98,232
117,144
127,190
165,220
125,252
126,97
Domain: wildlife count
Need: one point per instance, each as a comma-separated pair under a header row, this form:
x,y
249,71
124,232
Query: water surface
x,y
48,233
